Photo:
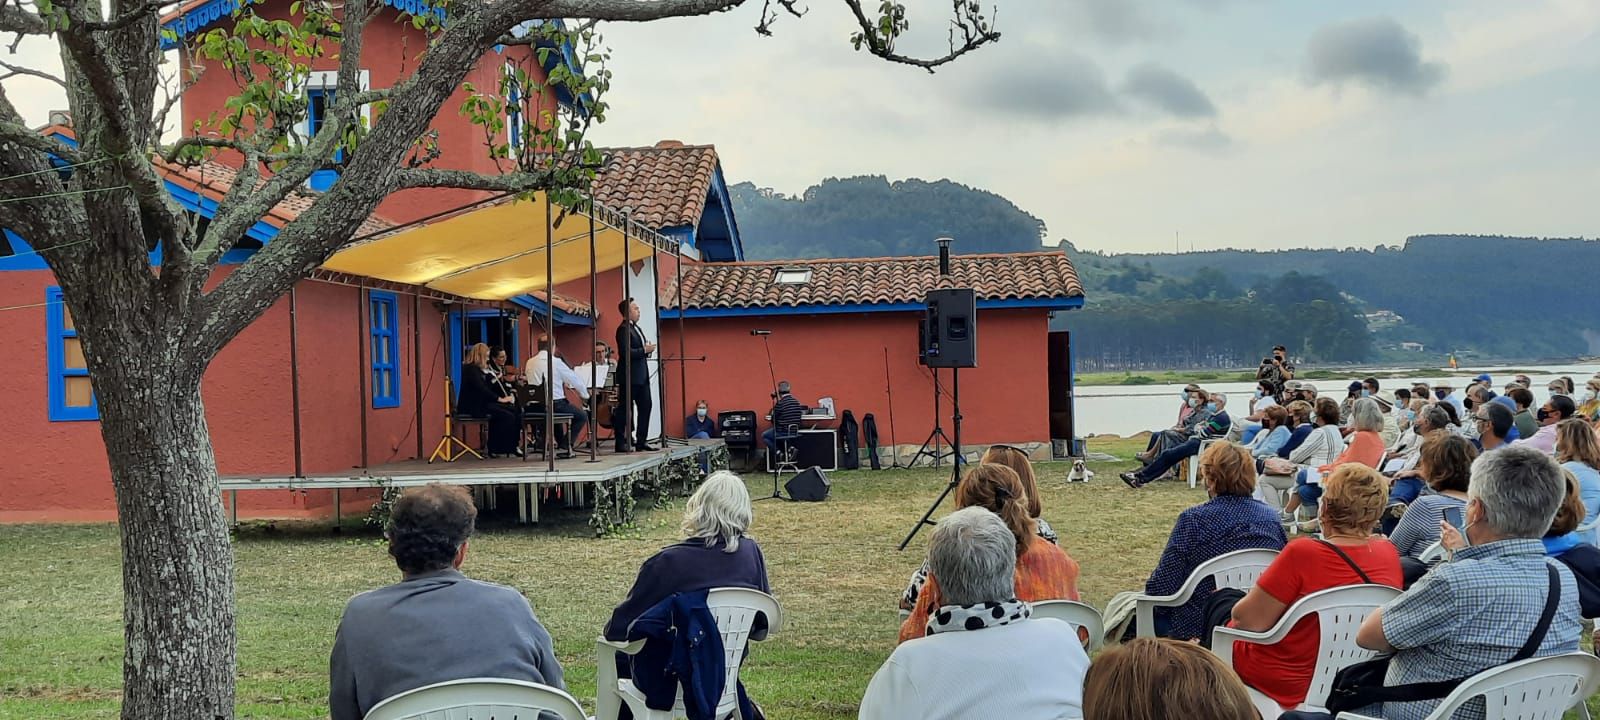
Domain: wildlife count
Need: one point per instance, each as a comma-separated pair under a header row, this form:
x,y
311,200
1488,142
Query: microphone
x,y
760,332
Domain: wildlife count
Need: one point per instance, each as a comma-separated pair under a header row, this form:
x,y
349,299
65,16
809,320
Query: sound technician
x,y
786,415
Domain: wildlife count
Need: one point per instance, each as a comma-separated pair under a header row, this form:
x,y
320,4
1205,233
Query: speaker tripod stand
x,y
932,446
955,449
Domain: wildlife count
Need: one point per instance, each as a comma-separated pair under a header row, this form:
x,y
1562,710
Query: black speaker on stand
x,y
950,339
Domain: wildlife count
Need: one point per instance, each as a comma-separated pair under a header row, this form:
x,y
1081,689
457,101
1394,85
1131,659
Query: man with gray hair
x,y
1478,610
983,656
786,415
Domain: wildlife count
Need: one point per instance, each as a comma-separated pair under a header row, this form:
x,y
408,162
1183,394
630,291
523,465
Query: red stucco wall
x,y
390,52
842,356
57,471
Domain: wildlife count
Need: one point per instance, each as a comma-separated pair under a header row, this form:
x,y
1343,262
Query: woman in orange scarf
x,y
1044,571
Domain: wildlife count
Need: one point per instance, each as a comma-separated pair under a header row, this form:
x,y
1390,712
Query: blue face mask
x,y
1194,402
1366,393
1211,406
1260,394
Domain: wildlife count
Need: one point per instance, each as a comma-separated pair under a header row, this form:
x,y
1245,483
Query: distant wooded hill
x,y
1487,296
1500,297
872,217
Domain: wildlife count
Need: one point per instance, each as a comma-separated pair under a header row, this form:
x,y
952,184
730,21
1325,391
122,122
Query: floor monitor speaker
x,y
808,486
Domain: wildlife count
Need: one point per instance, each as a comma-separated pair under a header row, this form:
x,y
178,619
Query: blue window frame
x,y
514,117
318,100
384,316
71,391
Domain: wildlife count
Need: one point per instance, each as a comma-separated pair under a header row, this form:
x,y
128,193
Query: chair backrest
x,y
735,610
1433,553
1528,690
1238,569
1076,613
478,699
1339,612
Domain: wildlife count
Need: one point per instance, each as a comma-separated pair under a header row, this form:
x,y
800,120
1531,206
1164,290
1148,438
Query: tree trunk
x,y
177,561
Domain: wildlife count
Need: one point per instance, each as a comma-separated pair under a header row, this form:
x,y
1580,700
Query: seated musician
x,y
563,379
700,425
786,415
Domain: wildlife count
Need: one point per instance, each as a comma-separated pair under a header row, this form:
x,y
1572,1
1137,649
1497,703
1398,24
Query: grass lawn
x,y
833,566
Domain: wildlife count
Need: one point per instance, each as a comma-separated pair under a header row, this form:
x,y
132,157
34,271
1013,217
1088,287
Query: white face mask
x,y
1588,396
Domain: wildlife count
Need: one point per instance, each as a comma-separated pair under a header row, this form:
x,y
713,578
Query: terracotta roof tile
x,y
1036,275
566,304
215,179
662,186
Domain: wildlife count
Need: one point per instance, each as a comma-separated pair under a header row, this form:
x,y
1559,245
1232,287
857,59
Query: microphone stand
x,y
772,374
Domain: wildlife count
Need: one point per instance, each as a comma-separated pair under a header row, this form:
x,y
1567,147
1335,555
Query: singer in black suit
x,y
634,370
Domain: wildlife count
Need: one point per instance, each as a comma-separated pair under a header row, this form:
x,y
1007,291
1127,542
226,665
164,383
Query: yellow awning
x,y
496,251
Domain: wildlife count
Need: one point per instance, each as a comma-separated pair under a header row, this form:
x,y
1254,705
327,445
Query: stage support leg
x,y
233,506
336,509
522,503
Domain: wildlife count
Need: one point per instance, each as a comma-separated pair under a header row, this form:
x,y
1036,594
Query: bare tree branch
x,y
18,70
515,182
975,31
617,10
174,97
148,8
24,136
770,16
20,21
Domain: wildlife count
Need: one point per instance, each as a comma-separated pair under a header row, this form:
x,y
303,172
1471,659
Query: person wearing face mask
x,y
1197,413
1589,401
1246,432
700,426
1522,400
1215,426
1446,392
1556,409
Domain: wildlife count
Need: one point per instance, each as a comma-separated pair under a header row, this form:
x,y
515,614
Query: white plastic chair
x,y
478,699
735,610
1534,689
1339,614
1194,462
1238,569
1433,553
1076,614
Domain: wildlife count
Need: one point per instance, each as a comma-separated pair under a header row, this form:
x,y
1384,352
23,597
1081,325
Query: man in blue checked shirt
x,y
1475,612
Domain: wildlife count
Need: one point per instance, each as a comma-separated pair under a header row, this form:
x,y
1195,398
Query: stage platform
x,y
528,475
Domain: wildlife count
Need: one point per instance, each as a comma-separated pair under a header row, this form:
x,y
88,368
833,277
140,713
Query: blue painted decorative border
x,y
380,302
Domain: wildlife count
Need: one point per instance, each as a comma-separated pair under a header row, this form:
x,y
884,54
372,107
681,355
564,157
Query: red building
x,y
347,371
848,329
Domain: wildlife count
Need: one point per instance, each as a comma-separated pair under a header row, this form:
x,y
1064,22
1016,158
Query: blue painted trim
x,y
202,17
719,185
56,360
23,256
536,307
382,305
1062,303
686,235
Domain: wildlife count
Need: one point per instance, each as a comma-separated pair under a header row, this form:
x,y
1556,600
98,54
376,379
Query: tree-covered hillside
x,y
1485,296
872,217
1501,297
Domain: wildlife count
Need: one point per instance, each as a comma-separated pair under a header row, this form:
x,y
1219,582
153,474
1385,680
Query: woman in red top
x,y
1044,571
1353,499
1365,447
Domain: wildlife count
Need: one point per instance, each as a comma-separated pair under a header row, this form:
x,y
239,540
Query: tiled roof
x,y
662,186
853,281
214,179
566,304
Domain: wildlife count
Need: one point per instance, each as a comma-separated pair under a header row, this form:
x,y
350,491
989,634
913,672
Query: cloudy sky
x,y
1234,123
1120,123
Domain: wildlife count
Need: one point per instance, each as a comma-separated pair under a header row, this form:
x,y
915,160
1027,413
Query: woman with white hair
x,y
1365,446
984,655
716,553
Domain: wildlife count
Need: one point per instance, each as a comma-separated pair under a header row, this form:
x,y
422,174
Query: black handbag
x,y
1361,684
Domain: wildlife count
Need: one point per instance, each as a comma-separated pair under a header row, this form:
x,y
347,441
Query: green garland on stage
x,y
615,500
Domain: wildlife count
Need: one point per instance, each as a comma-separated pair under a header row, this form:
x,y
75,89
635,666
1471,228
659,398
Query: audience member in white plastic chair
x,y
1474,612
